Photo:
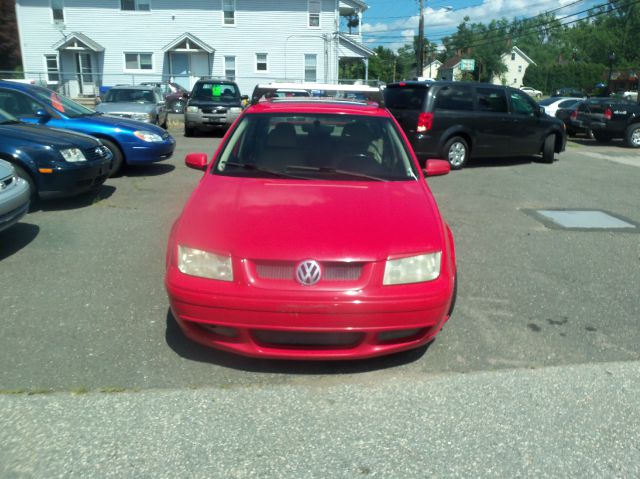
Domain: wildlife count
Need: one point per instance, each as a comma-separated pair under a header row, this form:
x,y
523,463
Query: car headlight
x,y
192,109
414,269
147,136
142,116
195,262
72,155
235,109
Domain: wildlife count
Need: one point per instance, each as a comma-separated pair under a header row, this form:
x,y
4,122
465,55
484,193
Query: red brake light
x,y
425,122
607,114
574,114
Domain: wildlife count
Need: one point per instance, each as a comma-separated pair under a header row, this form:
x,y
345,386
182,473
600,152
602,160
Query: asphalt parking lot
x,y
536,371
85,308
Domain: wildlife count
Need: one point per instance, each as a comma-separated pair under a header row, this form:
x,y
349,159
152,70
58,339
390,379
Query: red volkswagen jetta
x,y
312,235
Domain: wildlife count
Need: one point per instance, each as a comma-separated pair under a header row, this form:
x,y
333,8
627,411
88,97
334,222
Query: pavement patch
x,y
583,220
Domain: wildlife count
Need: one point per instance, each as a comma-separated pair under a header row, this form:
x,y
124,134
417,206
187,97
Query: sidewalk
x,y
577,421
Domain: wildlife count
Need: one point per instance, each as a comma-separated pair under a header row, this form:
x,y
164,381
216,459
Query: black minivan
x,y
459,120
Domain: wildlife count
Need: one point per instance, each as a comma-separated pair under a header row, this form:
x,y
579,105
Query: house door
x,y
180,69
84,69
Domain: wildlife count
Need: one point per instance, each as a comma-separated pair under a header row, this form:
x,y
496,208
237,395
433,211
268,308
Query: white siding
x,y
275,27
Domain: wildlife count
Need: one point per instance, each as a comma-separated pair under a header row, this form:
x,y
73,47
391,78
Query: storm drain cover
x,y
583,220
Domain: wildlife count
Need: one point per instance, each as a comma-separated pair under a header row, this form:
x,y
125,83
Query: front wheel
x,y
548,149
632,136
118,157
456,152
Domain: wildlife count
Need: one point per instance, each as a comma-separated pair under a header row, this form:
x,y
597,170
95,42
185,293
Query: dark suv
x,y
212,104
457,121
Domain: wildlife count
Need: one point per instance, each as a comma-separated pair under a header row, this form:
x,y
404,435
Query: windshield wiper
x,y
324,169
252,167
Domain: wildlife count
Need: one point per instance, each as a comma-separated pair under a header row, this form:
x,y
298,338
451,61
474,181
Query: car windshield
x,y
216,91
316,146
129,95
547,101
405,98
61,103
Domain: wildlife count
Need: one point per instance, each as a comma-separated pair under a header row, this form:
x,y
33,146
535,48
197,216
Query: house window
x,y
314,13
53,71
57,11
513,56
230,68
515,80
519,68
136,5
138,61
261,62
229,11
310,68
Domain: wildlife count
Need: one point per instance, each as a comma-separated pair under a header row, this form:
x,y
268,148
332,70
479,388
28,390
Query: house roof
x,y
363,50
523,55
77,41
451,62
190,41
362,6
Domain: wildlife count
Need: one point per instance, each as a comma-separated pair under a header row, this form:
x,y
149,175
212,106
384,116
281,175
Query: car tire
x,y
548,148
456,152
632,136
188,131
454,296
601,137
118,158
26,176
164,123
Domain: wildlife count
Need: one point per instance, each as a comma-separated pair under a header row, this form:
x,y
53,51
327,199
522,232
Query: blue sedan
x,y
131,142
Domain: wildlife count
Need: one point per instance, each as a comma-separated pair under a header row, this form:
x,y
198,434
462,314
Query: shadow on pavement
x,y
596,144
501,162
16,237
74,202
193,351
154,169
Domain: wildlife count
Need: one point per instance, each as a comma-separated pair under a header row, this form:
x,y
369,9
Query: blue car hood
x,y
42,135
122,123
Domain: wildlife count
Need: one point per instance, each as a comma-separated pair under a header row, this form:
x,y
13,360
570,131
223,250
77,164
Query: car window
x,y
492,100
567,103
521,104
454,98
405,98
216,91
316,146
61,103
18,104
129,95
547,101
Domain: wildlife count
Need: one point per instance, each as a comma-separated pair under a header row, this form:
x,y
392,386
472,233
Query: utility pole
x,y
421,40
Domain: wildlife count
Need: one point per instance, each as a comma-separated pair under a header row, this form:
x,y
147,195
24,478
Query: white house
x,y
516,62
76,46
450,69
432,69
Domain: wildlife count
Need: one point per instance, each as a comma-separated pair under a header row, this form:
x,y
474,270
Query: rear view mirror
x,y
43,116
197,161
541,110
436,168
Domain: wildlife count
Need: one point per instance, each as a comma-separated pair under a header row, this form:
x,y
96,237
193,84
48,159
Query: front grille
x,y
331,271
97,153
6,182
317,340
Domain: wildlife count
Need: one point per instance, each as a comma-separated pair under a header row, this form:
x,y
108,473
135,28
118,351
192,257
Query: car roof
x,y
133,87
321,106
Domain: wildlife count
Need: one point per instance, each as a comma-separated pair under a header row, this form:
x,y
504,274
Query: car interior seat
x,y
280,149
356,155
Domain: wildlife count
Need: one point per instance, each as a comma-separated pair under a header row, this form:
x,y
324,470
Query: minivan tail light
x,y
425,122
608,114
574,115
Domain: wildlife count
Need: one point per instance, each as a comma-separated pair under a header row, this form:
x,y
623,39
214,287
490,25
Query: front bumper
x,y
74,179
211,120
14,204
313,326
142,152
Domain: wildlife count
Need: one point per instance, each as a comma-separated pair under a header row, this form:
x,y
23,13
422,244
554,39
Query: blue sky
x,y
392,23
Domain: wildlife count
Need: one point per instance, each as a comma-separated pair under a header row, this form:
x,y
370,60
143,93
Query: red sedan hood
x,y
289,219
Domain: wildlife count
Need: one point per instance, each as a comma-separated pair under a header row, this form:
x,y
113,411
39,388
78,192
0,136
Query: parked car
x,y
137,102
130,142
212,104
568,92
532,92
552,104
458,121
173,94
568,116
317,90
312,235
53,162
610,118
14,196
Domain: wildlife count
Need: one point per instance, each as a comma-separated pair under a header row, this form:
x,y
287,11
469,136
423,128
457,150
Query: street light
x,y
612,58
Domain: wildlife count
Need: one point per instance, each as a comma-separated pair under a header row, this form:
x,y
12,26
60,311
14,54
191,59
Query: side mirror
x,y
43,116
244,97
197,161
541,111
436,168
185,95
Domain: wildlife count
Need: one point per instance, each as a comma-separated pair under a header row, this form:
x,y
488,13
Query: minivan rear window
x,y
405,97
454,98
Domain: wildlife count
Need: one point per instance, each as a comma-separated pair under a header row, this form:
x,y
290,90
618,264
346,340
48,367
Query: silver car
x,y
137,102
14,196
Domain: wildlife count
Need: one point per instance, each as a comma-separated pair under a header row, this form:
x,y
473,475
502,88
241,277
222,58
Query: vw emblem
x,y
308,272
